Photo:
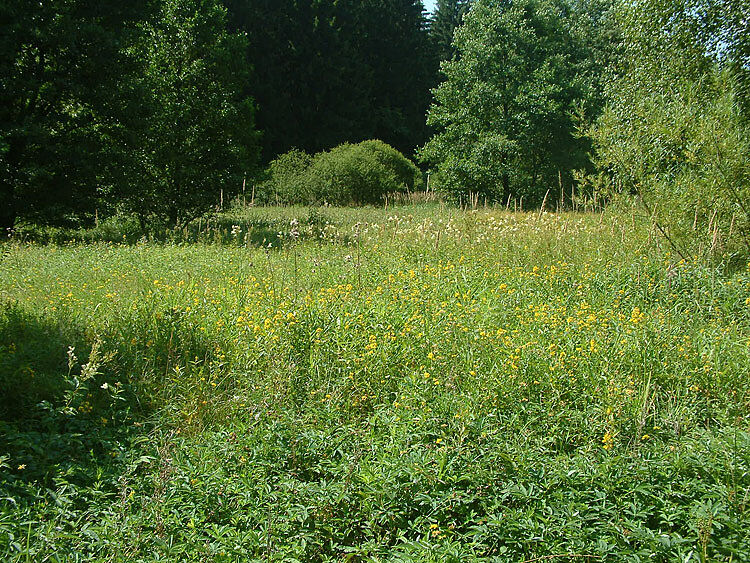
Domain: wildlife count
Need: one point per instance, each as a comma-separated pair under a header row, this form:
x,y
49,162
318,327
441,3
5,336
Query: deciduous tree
x,y
504,111
673,132
192,134
60,65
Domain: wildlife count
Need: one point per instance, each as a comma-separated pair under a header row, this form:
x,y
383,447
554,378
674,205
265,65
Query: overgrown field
x,y
411,384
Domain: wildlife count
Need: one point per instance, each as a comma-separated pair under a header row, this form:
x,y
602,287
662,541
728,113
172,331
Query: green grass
x,y
412,384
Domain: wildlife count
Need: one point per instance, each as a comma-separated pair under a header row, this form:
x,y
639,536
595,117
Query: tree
x,y
731,42
448,16
191,131
331,72
673,132
503,112
60,62
393,42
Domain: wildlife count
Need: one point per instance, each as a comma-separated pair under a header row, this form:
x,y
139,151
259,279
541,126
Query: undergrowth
x,y
414,384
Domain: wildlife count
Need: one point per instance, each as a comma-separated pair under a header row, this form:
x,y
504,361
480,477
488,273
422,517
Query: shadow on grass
x,y
257,232
221,229
60,426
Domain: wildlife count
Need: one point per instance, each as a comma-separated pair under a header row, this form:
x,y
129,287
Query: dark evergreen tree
x,y
393,42
330,72
448,16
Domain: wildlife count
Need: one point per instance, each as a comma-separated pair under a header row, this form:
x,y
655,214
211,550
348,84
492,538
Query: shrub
x,y
348,174
287,178
406,173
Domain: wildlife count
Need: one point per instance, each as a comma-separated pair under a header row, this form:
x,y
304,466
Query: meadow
x,y
408,383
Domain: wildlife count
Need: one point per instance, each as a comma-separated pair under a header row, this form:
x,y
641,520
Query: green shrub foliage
x,y
287,175
360,174
61,68
674,134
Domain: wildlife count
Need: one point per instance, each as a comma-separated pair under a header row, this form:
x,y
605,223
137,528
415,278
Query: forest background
x,y
163,109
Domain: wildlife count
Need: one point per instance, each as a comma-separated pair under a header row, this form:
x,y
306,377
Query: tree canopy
x,y
156,107
111,106
504,110
332,72
448,16
193,133
60,62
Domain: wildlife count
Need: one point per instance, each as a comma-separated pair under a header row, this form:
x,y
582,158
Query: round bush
x,y
357,174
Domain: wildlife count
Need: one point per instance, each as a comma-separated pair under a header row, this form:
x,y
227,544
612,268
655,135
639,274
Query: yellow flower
x,y
608,441
636,316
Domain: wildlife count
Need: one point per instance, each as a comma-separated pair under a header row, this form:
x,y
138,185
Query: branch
x,y
658,226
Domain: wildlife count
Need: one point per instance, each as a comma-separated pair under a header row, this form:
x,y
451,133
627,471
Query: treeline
x,y
645,102
154,107
120,106
326,72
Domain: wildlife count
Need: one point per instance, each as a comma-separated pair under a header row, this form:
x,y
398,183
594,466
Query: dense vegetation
x,y
416,383
675,130
152,108
505,110
365,173
195,367
164,108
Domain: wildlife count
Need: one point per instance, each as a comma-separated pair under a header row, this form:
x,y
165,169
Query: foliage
x,y
60,63
674,133
327,72
729,39
287,178
503,112
193,135
358,174
445,385
447,17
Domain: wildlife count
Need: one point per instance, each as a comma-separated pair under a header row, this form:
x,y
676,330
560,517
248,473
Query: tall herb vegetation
x,y
411,383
